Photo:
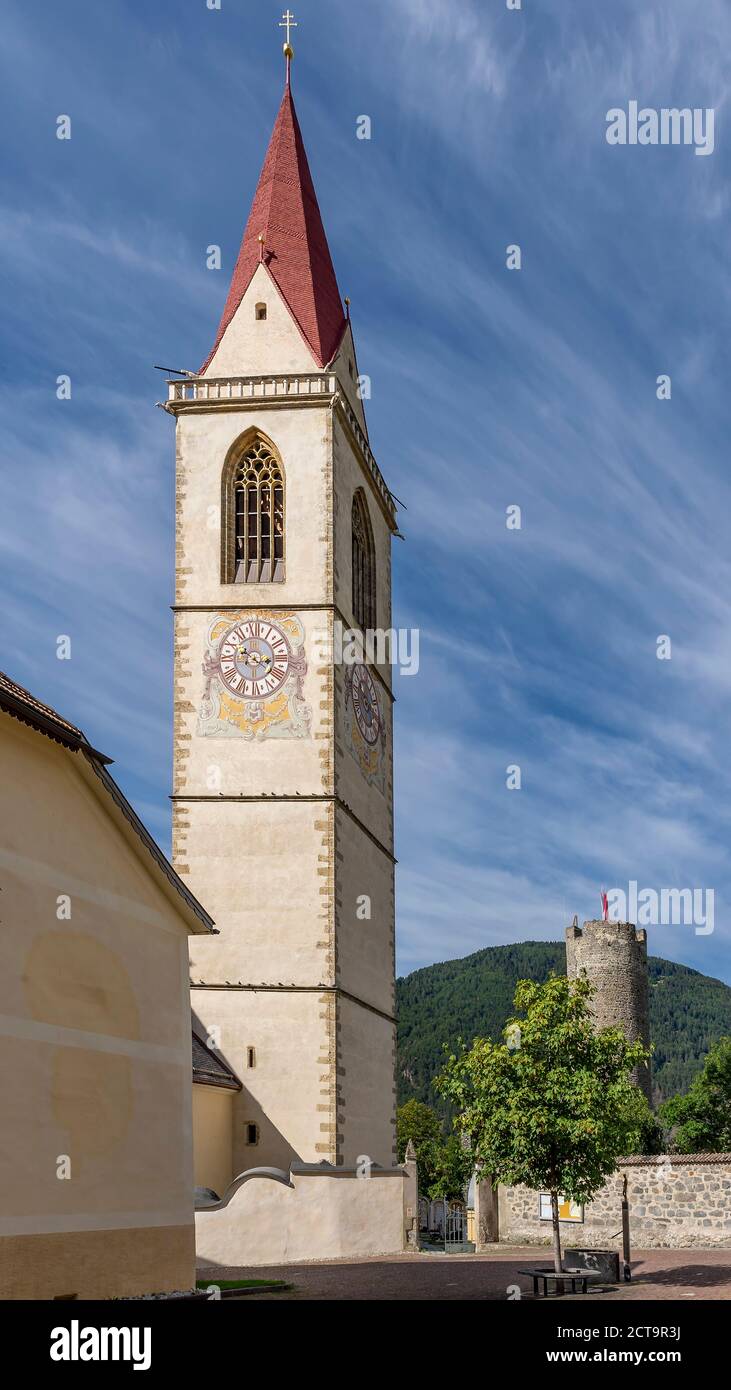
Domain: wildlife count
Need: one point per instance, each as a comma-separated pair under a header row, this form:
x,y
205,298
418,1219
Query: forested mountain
x,y
473,997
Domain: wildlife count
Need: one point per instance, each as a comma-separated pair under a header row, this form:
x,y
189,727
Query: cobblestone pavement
x,y
657,1274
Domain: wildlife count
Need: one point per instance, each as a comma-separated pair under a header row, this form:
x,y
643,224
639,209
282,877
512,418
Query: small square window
x,y
252,1134
261,312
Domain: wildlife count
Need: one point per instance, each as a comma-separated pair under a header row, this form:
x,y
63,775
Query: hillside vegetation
x,y
473,997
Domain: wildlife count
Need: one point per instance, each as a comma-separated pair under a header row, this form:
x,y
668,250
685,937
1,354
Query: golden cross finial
x,y
288,22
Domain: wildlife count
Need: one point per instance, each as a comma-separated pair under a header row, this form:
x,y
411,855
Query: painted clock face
x,y
254,659
365,704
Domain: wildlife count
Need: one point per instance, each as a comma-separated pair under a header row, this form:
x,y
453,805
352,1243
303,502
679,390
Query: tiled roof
x,y
286,213
209,1069
19,702
675,1160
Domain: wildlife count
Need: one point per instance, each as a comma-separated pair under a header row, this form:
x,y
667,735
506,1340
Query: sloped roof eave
x,y
209,1069
20,704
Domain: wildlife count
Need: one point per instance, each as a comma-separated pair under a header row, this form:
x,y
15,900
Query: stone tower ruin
x,y
614,957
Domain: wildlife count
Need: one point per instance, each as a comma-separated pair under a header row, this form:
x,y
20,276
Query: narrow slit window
x,y
252,1134
250,1057
364,565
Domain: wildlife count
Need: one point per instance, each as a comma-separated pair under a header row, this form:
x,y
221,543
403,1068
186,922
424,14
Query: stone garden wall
x,y
676,1201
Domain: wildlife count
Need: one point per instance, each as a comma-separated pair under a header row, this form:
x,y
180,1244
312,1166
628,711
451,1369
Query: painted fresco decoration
x,y
365,724
254,672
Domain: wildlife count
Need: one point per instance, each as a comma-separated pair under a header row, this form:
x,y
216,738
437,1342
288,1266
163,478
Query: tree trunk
x,y
556,1232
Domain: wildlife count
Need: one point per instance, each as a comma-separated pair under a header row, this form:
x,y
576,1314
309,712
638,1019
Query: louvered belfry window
x,y
258,507
364,565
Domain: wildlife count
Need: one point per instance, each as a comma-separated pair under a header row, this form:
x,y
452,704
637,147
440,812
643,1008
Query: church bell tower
x,y
283,790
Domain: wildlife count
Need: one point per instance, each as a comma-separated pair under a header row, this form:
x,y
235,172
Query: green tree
x,y
646,1134
417,1122
422,1125
445,1166
552,1107
701,1119
452,1165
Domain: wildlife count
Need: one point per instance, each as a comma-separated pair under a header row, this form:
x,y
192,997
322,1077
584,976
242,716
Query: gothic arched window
x,y
253,515
364,564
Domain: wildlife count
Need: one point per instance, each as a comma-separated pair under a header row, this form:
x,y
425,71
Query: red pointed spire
x,y
285,213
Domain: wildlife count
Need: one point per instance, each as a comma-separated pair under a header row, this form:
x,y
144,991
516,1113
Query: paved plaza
x,y
657,1275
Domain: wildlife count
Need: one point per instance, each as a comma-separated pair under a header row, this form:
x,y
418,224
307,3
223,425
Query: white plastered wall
x,y
250,346
94,1040
320,1218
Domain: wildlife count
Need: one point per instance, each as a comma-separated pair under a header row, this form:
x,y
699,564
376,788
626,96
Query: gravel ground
x,y
657,1274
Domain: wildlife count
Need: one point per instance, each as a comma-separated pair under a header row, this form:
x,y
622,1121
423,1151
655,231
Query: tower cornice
x,y
273,798
336,990
271,389
198,395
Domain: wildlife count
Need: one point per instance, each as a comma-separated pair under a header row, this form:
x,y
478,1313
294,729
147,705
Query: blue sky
x,y
491,388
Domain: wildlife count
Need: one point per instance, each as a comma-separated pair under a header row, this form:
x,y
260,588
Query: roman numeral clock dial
x,y
365,724
254,679
254,660
365,704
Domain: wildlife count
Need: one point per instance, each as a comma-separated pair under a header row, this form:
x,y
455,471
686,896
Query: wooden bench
x,y
582,1277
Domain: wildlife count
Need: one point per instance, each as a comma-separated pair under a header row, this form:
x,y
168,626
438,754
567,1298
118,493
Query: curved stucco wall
x,y
213,1108
324,1216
